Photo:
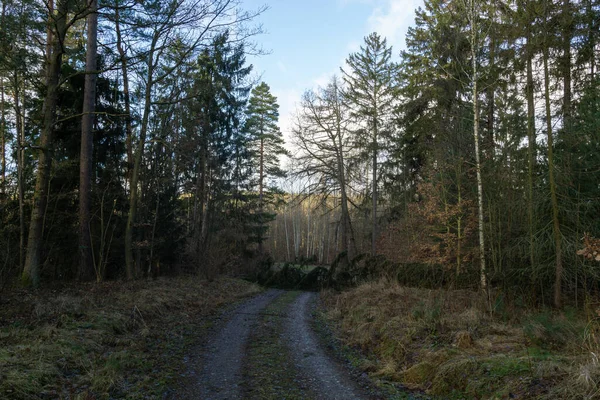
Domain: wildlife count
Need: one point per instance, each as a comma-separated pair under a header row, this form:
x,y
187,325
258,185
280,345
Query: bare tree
x,y
322,135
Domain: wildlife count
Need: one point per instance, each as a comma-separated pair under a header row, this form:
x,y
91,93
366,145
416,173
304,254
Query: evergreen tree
x,y
370,93
267,143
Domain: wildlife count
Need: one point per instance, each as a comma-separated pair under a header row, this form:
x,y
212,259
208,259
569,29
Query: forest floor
x,y
186,338
108,340
446,344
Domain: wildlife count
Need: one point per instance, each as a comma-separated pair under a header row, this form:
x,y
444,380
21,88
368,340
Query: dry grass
x,y
444,343
110,340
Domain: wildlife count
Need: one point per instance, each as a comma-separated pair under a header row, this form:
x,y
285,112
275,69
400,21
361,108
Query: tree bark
x,y
31,270
475,77
133,194
3,115
375,192
553,197
86,259
348,241
128,123
567,32
2,139
20,125
260,191
531,149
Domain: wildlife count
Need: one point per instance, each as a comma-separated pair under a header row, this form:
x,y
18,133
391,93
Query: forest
x,y
469,163
135,141
143,164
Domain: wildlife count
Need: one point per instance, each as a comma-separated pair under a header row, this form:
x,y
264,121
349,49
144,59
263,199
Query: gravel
x,y
320,372
221,374
215,371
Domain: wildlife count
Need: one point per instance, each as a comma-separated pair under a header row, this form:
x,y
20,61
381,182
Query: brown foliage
x,y
432,230
591,248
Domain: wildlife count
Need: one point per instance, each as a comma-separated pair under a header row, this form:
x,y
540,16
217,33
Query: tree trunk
x,y
482,267
491,105
133,194
566,64
553,197
31,270
260,192
348,241
531,152
592,32
20,125
54,52
128,124
375,193
2,139
3,114
201,202
86,260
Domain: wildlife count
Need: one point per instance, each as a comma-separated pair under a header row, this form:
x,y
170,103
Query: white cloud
x,y
391,19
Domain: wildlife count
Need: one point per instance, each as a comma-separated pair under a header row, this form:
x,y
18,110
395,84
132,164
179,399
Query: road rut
x,y
258,353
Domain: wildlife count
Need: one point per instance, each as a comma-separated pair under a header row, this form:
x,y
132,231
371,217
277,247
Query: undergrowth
x,y
109,340
446,343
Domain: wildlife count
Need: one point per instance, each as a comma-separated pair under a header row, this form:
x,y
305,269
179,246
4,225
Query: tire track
x,y
220,377
322,374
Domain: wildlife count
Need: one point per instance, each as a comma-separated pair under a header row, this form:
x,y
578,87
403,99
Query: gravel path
x,y
324,376
221,376
266,348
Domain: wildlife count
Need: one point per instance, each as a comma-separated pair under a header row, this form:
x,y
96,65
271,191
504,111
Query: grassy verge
x,y
109,340
267,371
443,343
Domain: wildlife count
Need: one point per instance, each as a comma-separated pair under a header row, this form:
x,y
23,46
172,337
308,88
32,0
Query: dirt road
x,y
266,348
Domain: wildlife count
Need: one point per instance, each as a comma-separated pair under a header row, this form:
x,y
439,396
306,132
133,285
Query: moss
x,y
453,376
419,375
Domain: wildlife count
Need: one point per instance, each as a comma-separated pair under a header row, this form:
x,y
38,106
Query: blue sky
x,y
309,40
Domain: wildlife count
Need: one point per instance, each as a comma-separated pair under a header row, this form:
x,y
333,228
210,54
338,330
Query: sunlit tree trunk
x,y
475,76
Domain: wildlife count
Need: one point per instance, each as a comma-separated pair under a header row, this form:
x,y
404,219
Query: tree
x,y
59,23
551,166
192,23
326,157
370,92
86,259
261,124
473,14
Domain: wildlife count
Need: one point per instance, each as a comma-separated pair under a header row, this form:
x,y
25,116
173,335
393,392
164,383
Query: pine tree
x,y
86,259
263,115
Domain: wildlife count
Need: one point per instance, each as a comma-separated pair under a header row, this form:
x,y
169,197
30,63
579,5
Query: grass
x,y
267,368
445,344
109,340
